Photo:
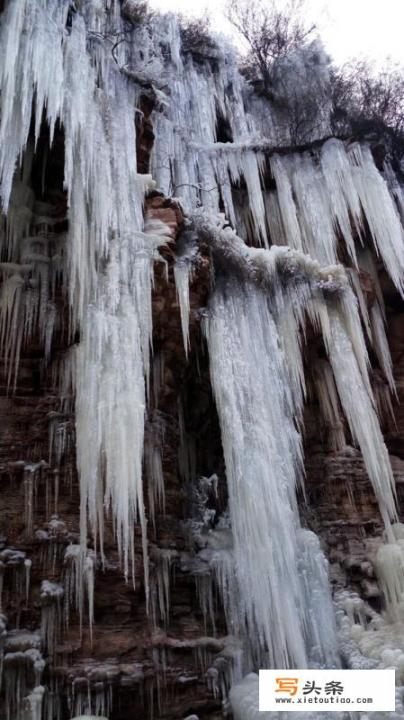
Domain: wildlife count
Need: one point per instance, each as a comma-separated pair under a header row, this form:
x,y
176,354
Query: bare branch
x,y
271,31
365,97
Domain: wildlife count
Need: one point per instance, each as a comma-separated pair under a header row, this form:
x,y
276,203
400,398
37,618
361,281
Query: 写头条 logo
x,y
330,690
291,686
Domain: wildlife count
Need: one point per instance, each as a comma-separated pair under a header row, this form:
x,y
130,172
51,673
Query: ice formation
x,y
51,613
324,292
181,275
369,640
79,583
23,664
276,222
350,373
15,564
263,469
389,565
329,404
108,256
160,585
153,466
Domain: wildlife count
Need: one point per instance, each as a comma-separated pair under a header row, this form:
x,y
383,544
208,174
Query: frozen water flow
x,y
214,148
263,467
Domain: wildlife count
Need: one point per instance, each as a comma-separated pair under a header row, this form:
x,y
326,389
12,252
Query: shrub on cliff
x,y
271,31
368,101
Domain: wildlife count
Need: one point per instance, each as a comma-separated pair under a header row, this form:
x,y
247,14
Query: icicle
x,y
11,323
220,555
161,600
91,692
329,406
29,500
182,279
51,598
357,402
306,184
155,478
251,164
262,467
186,252
383,400
395,188
205,592
356,284
290,340
89,579
380,212
286,203
367,263
109,258
15,561
25,71
79,582
329,195
33,703
23,662
30,474
338,318
381,345
111,401
320,627
27,566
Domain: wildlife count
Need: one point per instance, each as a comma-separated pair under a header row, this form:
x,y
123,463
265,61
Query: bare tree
x,y
300,93
272,30
196,35
365,97
136,11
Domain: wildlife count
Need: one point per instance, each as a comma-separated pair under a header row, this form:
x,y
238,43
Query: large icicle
x,y
263,465
329,406
79,583
333,192
357,402
296,281
31,33
182,271
252,474
109,259
381,345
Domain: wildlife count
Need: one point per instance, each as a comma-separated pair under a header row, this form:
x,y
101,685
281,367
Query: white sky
x,y
371,28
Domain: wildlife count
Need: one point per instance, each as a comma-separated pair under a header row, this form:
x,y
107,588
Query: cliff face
x,y
137,661
161,662
133,657
170,639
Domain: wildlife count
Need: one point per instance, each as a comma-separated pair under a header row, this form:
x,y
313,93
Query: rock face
x,y
159,661
136,661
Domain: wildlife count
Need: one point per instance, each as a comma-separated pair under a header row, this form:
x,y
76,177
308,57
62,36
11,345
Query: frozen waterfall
x,y
269,225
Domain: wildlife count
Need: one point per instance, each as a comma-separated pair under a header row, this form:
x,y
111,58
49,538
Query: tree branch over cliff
x,y
264,267
368,101
271,31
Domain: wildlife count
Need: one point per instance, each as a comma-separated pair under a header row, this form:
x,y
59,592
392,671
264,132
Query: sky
x,y
349,28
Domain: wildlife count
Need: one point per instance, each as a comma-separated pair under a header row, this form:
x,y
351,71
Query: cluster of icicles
x,y
272,575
